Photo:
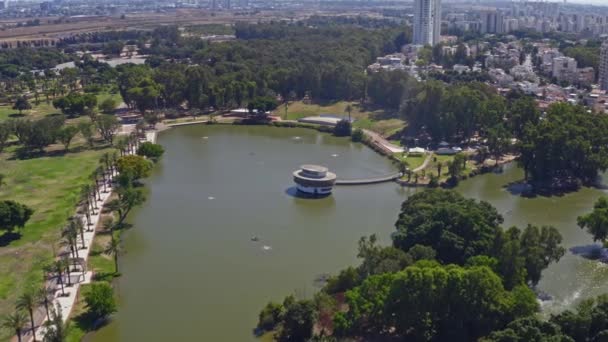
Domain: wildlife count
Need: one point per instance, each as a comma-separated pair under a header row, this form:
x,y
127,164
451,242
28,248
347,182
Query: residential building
x,y
604,67
427,22
491,22
564,68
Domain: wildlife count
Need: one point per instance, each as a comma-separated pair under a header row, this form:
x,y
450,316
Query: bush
x,y
343,128
100,299
357,135
150,151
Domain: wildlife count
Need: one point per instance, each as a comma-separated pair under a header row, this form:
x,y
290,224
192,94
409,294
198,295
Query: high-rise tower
x,y
427,22
604,66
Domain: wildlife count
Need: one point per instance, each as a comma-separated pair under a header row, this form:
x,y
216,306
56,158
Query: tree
x,y
13,215
455,227
27,302
44,298
298,321
86,129
343,128
75,104
113,249
270,316
5,133
428,301
108,105
56,330
528,329
66,135
348,109
540,247
569,146
129,198
498,141
135,167
596,222
100,299
150,150
107,126
22,104
15,322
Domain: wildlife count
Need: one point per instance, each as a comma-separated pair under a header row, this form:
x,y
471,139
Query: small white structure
x,y
321,120
416,151
314,180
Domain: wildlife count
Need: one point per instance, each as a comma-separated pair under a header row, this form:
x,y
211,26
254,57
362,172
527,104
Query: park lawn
x,y
37,112
44,109
412,161
377,121
51,186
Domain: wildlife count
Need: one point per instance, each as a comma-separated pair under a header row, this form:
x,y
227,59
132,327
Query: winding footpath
x,y
77,278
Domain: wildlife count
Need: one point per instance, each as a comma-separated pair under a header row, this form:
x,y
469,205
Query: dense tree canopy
x,y
568,147
75,104
413,302
455,227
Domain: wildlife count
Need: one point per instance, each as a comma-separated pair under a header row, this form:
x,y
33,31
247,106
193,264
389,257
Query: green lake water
x,y
191,271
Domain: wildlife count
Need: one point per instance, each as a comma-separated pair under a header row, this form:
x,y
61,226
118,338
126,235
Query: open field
x,y
377,121
51,186
44,109
50,30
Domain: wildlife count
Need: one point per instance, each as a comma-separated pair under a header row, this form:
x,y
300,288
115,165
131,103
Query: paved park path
x,y
77,278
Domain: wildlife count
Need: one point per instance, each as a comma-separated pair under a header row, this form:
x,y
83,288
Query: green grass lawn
x,y
51,186
412,161
377,121
44,109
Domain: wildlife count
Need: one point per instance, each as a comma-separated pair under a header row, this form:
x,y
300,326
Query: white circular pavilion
x,y
314,180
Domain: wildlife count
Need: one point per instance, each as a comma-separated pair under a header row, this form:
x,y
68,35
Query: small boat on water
x,y
255,239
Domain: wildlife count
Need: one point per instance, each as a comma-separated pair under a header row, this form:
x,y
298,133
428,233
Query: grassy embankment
x,y
432,167
378,121
50,184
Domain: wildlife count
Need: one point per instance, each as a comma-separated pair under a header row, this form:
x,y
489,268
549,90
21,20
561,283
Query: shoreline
x,y
68,301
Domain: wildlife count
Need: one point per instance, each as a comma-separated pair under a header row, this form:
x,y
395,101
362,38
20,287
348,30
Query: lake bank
x,y
218,186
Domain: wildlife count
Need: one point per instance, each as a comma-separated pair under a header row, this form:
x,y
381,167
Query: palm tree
x,y
86,192
27,301
58,266
121,145
77,224
43,298
101,172
70,233
114,158
108,224
96,186
56,331
349,109
15,322
113,248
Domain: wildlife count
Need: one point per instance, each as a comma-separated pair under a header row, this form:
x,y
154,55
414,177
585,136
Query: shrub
x,y
357,135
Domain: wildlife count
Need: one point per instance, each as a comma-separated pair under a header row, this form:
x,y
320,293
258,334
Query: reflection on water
x,y
574,277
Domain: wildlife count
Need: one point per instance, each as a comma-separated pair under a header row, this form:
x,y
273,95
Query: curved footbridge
x,y
371,180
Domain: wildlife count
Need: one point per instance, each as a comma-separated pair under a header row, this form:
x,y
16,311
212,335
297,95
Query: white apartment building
x,y
427,22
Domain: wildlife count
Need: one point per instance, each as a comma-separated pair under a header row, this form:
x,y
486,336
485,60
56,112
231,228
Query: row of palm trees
x,y
73,240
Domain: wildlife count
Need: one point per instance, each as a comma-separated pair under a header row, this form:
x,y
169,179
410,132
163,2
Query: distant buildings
x,y
604,67
491,22
427,22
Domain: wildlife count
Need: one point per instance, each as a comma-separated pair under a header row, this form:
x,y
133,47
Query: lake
x,y
191,270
